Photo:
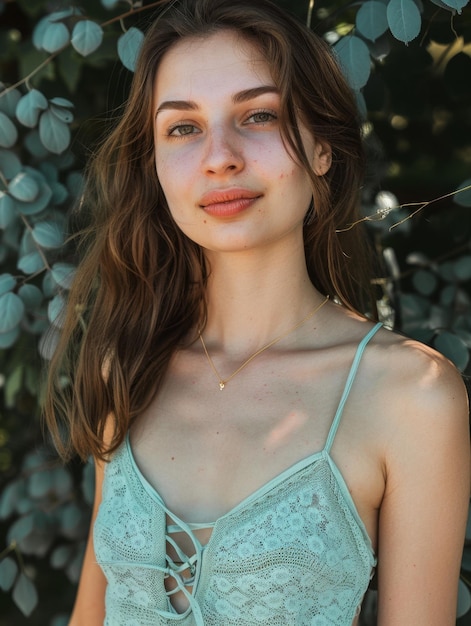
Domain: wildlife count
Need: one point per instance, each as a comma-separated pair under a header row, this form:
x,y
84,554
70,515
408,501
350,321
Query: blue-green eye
x,y
182,130
262,117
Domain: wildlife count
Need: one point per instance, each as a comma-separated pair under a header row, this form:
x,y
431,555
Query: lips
x,y
226,202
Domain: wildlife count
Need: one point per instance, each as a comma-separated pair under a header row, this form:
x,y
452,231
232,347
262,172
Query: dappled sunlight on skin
x,y
284,430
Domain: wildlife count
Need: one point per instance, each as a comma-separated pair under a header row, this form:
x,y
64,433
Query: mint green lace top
x,y
293,553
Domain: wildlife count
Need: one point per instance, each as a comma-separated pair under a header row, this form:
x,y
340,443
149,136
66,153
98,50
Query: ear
x,y
322,158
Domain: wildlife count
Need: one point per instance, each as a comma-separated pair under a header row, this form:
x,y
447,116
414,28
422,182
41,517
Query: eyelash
x,y
271,115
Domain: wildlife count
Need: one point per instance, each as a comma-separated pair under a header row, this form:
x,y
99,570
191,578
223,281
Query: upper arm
x,y
89,609
424,510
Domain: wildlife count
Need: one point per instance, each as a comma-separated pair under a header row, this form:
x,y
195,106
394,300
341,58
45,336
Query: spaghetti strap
x,y
348,385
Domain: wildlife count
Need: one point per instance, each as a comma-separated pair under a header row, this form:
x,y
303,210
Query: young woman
x,y
261,449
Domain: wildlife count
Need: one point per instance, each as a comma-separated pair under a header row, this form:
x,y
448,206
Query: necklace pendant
x,y
221,386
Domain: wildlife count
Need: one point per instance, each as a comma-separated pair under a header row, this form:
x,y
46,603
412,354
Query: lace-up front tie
x,y
293,553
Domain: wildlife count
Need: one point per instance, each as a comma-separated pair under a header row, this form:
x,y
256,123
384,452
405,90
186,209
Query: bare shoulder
x,y
421,395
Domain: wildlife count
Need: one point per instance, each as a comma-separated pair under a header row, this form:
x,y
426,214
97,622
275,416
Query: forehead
x,y
205,66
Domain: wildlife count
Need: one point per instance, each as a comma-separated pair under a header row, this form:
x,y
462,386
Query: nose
x,y
223,153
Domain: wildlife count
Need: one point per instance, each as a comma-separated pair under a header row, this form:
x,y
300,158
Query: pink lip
x,y
227,202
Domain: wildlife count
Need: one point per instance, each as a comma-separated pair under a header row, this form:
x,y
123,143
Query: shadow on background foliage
x,y
64,66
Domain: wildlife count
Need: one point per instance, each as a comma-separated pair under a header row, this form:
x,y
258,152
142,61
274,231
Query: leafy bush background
x,y
64,66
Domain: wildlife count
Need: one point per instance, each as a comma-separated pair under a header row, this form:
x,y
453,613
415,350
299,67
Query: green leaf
x,y
48,343
70,68
62,102
7,340
129,45
30,263
8,132
8,572
56,311
462,267
24,187
54,134
7,283
354,58
463,198
86,37
25,595
464,599
11,311
39,204
8,102
61,556
456,4
55,37
62,114
48,234
31,296
7,210
13,384
404,19
448,295
371,20
34,145
29,107
453,347
10,164
109,4
21,528
63,274
39,484
425,282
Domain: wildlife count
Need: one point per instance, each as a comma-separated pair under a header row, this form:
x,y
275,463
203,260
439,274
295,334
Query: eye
x,y
181,130
261,117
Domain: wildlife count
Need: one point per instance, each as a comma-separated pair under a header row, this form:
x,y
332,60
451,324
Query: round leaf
x,y
355,60
11,311
456,4
48,343
39,204
7,283
454,348
62,114
54,134
56,310
109,4
462,268
371,19
29,108
10,164
32,297
464,600
129,45
61,556
25,595
425,282
8,132
7,210
404,19
63,274
62,102
8,572
31,262
48,234
55,37
8,102
7,340
86,37
24,187
463,198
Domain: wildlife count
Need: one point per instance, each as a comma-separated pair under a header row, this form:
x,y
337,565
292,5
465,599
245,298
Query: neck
x,y
253,299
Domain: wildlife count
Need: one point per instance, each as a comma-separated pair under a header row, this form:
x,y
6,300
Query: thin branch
x,y
378,217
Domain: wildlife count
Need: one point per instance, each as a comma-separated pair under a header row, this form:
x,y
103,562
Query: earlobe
x,y
322,159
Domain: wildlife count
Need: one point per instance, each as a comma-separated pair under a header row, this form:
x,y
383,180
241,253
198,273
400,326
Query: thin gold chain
x,y
223,381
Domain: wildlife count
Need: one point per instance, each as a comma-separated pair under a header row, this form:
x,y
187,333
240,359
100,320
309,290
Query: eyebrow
x,y
238,98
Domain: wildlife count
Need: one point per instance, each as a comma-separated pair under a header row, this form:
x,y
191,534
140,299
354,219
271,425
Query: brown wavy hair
x,y
140,287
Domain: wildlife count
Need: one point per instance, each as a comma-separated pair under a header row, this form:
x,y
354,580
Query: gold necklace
x,y
223,382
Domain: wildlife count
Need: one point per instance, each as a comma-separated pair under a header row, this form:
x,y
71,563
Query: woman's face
x,y
228,179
